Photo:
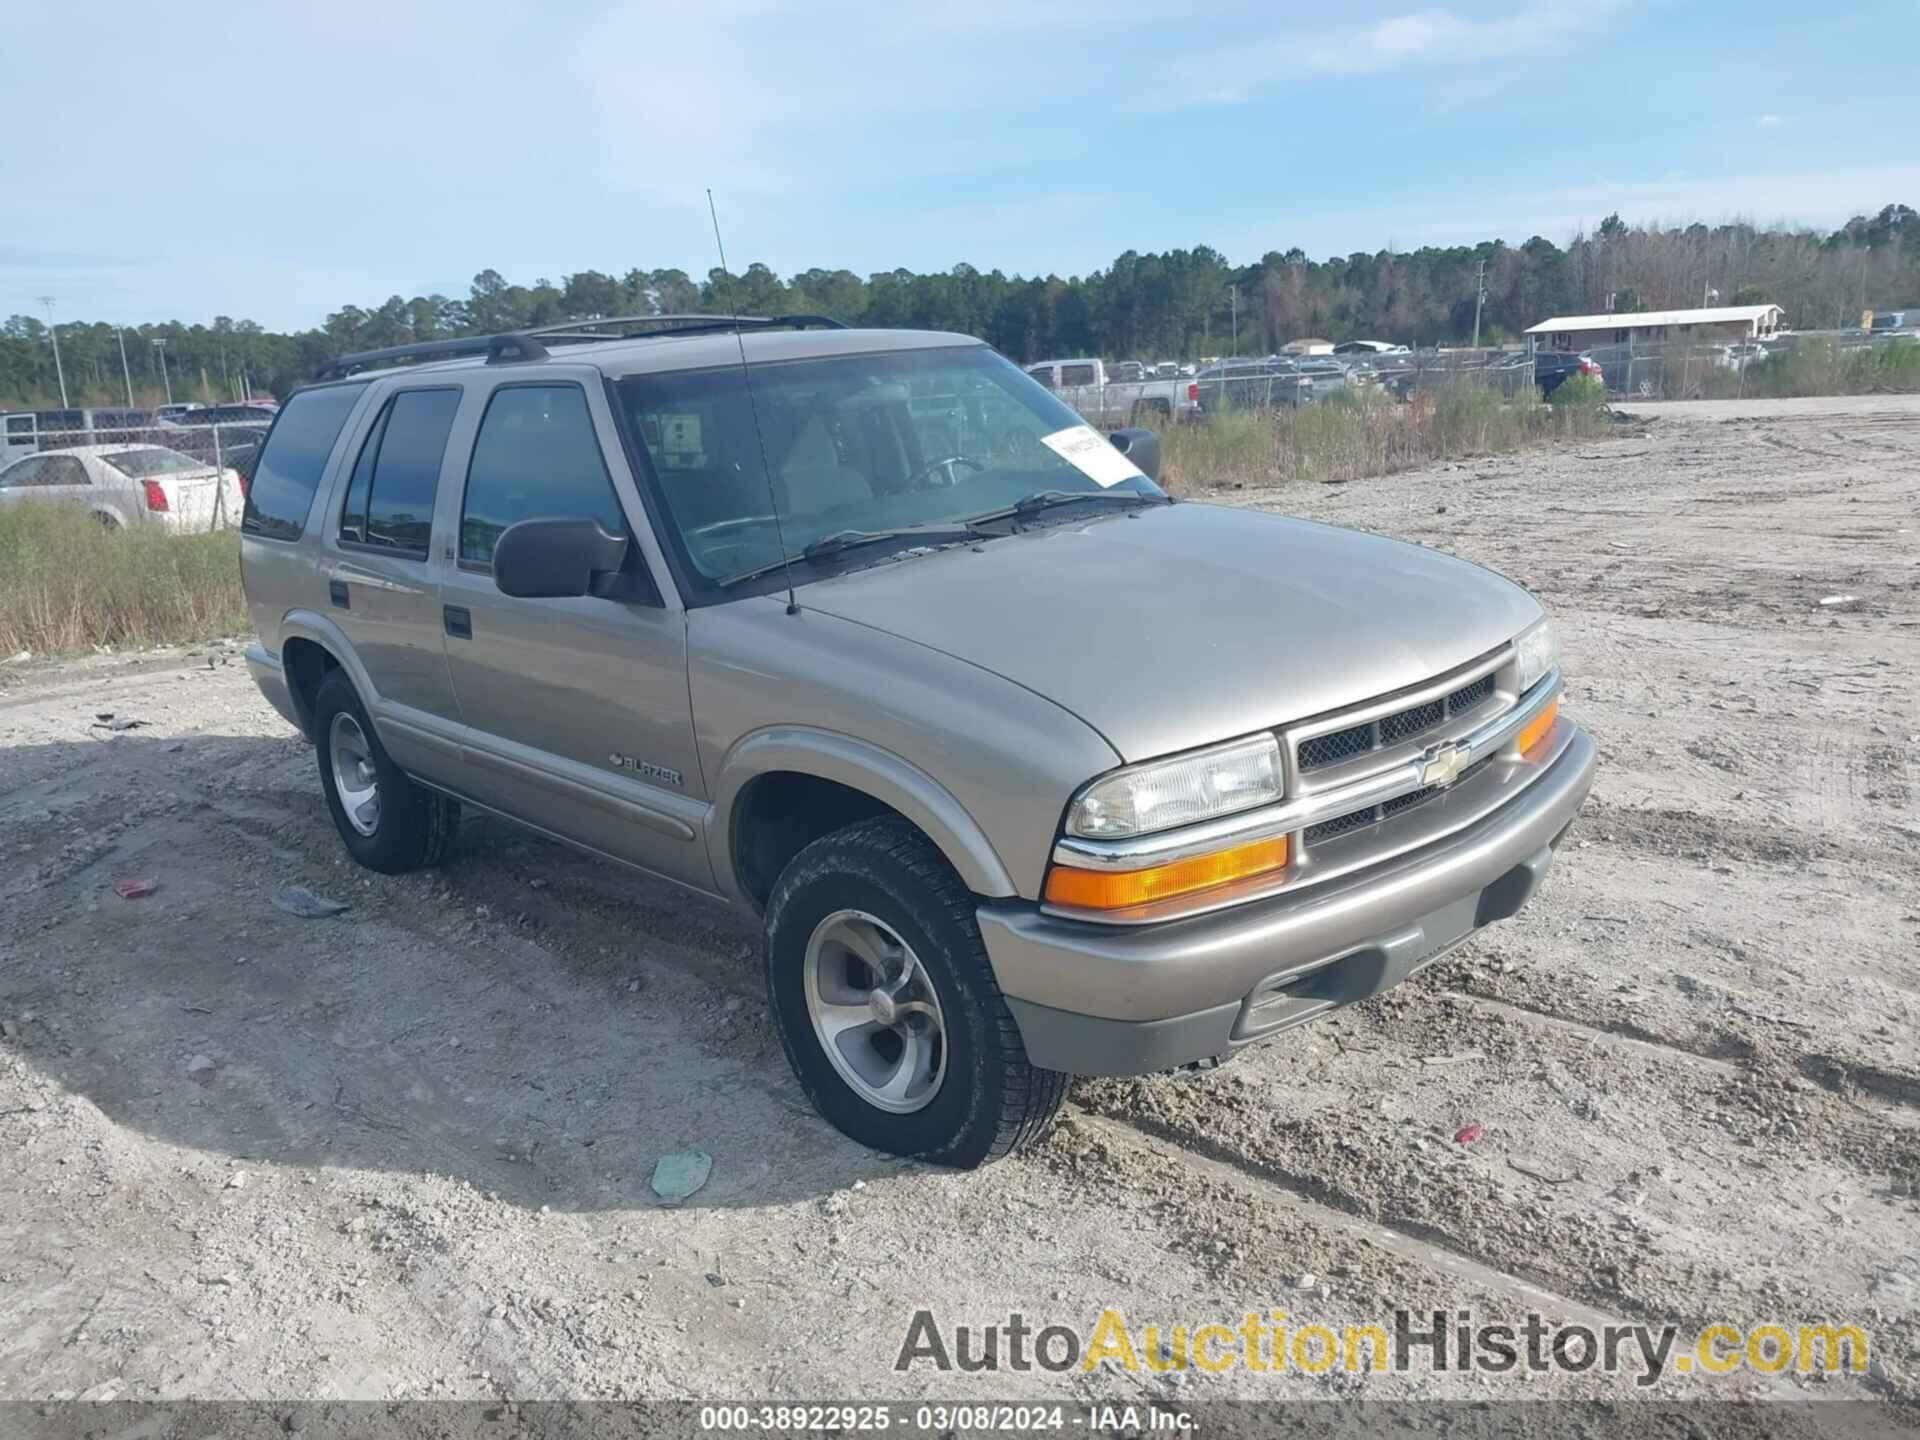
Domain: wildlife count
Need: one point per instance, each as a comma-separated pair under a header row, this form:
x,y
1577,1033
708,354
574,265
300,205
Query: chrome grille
x,y
1356,740
1373,814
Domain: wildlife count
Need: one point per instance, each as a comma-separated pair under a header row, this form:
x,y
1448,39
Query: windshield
x,y
856,443
142,463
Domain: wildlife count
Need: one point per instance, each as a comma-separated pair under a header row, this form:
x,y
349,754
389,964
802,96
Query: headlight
x,y
1539,651
1167,793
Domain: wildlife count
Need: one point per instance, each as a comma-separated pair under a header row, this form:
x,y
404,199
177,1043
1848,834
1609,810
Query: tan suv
x,y
1028,770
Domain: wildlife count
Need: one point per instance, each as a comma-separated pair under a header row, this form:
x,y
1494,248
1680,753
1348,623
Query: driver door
x,y
575,713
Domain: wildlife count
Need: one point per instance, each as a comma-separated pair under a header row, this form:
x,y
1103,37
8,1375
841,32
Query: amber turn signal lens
x,y
1120,889
1540,726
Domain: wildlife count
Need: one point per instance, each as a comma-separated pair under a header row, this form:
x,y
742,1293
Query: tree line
x,y
1177,304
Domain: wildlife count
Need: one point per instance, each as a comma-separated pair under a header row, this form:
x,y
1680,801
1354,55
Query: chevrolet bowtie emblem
x,y
1442,764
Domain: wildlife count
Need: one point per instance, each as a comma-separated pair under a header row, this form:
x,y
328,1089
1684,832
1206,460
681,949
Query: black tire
x,y
991,1100
415,825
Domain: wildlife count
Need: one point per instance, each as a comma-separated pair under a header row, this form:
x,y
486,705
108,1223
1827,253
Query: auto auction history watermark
x,y
1404,1342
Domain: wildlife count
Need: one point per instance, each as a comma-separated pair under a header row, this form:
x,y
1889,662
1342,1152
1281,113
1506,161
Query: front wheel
x,y
887,1004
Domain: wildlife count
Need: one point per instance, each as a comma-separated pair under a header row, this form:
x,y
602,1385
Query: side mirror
x,y
1142,447
553,559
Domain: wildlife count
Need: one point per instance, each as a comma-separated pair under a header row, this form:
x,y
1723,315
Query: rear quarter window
x,y
293,460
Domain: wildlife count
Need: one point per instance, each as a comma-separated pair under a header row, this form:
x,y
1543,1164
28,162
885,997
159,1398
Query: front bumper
x,y
1094,999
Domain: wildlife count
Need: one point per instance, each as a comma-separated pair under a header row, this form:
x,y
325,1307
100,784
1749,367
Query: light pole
x,y
160,344
125,373
54,331
1234,292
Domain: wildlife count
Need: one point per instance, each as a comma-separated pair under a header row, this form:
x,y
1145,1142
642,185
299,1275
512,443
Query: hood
x,y
1175,627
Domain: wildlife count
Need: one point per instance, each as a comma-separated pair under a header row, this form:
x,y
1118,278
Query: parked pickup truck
x,y
1104,400
1024,769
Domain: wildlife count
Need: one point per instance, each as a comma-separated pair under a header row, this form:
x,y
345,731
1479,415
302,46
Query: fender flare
x,y
316,628
860,766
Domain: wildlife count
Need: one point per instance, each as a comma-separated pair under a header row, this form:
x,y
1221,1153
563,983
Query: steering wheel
x,y
947,464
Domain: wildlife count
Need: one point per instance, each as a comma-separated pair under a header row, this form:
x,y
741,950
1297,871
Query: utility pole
x,y
125,373
1234,292
160,344
54,331
1479,298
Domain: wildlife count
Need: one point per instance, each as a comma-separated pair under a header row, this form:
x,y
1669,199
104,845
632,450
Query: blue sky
x,y
274,162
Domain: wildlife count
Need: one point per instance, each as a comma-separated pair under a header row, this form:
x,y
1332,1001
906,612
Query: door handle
x,y
459,621
337,593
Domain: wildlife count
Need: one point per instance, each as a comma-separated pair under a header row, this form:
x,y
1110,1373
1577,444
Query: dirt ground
x,y
405,1152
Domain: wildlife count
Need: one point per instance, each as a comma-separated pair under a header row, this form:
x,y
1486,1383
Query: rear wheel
x,y
887,1005
387,822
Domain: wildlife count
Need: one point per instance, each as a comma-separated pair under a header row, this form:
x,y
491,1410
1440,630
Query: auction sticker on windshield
x,y
1089,452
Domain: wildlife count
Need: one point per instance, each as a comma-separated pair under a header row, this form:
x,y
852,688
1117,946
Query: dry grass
x,y
1356,435
1816,366
67,584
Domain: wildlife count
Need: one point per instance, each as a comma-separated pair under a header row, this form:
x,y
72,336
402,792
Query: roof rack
x,y
678,324
514,345
528,344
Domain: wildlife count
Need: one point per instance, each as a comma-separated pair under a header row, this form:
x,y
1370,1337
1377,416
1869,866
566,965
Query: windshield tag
x,y
1090,452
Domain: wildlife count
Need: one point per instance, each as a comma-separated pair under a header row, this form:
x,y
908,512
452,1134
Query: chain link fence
x,y
189,470
1690,369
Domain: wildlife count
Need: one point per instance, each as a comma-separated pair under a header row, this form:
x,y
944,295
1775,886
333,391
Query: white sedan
x,y
129,485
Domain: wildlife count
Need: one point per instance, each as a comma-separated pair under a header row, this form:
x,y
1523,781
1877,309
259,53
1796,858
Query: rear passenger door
x,y
576,710
63,477
383,585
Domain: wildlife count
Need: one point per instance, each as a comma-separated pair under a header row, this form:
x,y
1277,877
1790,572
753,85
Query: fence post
x,y
219,506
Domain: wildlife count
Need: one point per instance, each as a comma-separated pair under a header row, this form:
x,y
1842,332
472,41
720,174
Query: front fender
x,y
860,766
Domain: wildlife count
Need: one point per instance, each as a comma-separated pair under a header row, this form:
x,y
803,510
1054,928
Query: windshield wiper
x,y
828,546
1047,499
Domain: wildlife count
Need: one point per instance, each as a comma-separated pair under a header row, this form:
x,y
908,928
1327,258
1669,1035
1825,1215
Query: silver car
x,y
124,485
1027,770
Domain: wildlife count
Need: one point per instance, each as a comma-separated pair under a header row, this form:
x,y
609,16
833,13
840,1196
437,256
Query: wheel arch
x,y
310,646
829,780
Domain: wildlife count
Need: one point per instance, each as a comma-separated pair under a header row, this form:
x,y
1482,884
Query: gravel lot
x,y
405,1152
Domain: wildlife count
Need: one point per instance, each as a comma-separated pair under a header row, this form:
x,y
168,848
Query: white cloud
x,y
1431,36
1422,37
1769,121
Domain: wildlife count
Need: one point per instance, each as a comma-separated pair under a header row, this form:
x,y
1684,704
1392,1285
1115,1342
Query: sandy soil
x,y
406,1151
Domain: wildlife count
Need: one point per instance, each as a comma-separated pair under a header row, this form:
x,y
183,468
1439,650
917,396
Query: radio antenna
x,y
753,408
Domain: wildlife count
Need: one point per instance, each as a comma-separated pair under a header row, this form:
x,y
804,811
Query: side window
x,y
1076,375
536,457
1044,374
353,513
22,474
390,497
64,470
293,460
20,427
